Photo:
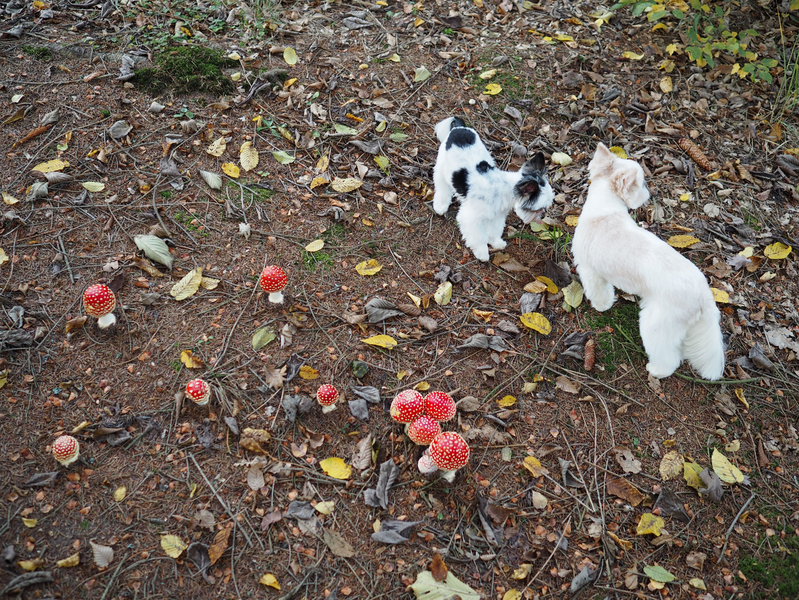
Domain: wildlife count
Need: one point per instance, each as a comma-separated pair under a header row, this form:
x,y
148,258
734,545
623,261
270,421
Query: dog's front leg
x,y
443,192
598,291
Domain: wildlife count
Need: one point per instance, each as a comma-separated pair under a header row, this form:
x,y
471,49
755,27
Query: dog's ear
x,y
602,151
528,187
537,164
623,183
602,161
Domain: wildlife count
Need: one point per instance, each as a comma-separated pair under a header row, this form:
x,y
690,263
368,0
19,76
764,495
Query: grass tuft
x,y
187,69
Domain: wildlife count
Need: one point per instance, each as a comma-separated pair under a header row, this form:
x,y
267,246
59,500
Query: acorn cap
x,y
407,406
423,430
439,406
449,451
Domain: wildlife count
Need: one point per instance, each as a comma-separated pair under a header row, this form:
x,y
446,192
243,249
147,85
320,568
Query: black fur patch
x,y
461,138
484,166
460,181
456,122
529,188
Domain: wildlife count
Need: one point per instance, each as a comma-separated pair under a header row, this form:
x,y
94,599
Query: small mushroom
x,y
273,279
426,465
198,391
423,430
327,396
66,450
439,406
100,302
407,406
450,452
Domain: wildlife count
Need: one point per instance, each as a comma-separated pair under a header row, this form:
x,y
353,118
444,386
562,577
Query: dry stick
x,y
403,269
734,521
218,497
113,578
66,260
551,554
233,329
718,381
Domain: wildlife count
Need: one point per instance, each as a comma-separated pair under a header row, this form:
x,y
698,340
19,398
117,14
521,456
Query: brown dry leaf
x,y
627,460
75,323
438,568
298,450
219,545
508,263
274,378
255,477
338,545
625,490
103,555
146,266
567,385
251,439
191,361
532,464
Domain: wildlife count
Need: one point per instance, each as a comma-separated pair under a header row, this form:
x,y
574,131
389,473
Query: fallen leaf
x,y
345,185
492,89
368,267
539,500
532,464
658,573
230,170
70,561
381,341
421,74
248,156
251,439
191,362
284,158
315,246
50,166
154,248
290,56
103,555
120,493
650,524
173,545
270,580
188,286
217,147
777,251
427,588
627,460
338,545
262,337
682,241
726,471
671,465
336,468
720,296
632,55
506,401
666,85
573,294
690,473
218,546
536,322
443,294
625,490
562,159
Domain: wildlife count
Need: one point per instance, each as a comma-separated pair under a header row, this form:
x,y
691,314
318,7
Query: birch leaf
x,y
682,241
217,148
381,341
213,180
173,545
777,251
70,561
573,294
427,588
154,248
230,170
93,186
443,294
270,580
536,322
262,337
284,158
726,471
188,286
50,166
290,56
248,156
347,184
103,555
336,468
368,267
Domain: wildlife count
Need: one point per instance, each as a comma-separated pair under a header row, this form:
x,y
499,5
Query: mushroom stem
x,y
106,321
448,476
276,297
329,408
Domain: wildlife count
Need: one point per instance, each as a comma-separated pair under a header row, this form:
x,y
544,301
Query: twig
x,y
734,521
66,260
113,578
551,554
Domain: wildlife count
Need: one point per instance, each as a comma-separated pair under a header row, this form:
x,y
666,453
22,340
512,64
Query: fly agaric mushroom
x,y
407,406
100,302
426,465
198,392
327,395
439,406
66,450
273,279
449,452
423,430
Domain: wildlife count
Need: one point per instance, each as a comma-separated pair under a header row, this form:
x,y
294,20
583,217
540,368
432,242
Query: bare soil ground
x,y
502,529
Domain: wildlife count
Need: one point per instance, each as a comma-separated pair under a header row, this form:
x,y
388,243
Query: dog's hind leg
x,y
596,288
473,229
662,339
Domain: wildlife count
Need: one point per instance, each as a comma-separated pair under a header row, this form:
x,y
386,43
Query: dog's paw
x,y
658,371
499,244
481,253
440,204
602,304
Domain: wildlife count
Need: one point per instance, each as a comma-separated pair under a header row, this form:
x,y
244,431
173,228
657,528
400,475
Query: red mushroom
x,y
426,465
198,391
423,430
450,452
66,450
100,302
439,406
327,396
273,279
407,406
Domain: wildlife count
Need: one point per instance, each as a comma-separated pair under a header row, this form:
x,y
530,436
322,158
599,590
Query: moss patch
x,y
187,69
775,572
621,343
38,52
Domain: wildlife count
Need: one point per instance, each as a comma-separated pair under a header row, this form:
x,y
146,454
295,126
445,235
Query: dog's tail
x,y
703,345
444,127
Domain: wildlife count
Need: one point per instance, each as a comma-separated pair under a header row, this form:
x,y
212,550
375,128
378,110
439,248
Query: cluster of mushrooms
x,y
447,451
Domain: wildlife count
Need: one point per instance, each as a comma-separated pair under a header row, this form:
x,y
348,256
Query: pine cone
x,y
695,153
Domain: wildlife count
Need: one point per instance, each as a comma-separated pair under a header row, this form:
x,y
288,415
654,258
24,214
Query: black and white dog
x,y
465,168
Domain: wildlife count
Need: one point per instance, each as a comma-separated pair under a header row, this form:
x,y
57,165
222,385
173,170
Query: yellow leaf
x,y
209,283
422,386
747,252
290,56
317,181
482,314
173,545
3,378
3,256
315,246
573,294
70,561
29,522
720,296
685,197
325,508
572,220
733,446
632,55
347,184
492,89
506,401
248,156
666,85
523,571
512,595
562,37
120,493
308,373
777,251
382,162
487,74
30,565
698,583
9,199
532,464
323,163
739,393
618,151
270,580
690,473
659,26
188,286
650,523
50,166
381,341
368,267
418,21
191,362
726,471
394,58
217,148
93,186
231,170
336,468
415,299
671,465
561,158
536,322
682,241
551,287
671,49
443,294
536,287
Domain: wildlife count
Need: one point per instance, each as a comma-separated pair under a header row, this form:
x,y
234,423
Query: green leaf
x,y
262,337
382,162
344,129
421,74
427,588
398,137
284,158
658,574
155,249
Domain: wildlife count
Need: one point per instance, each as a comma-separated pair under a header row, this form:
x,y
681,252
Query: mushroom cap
x,y
439,406
273,279
407,406
449,451
66,449
99,300
198,391
423,430
327,395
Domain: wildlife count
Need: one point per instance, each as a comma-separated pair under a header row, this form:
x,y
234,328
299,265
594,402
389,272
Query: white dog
x,y
679,318
465,168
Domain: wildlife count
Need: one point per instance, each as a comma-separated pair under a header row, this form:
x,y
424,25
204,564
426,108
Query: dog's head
x,y
626,177
533,192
